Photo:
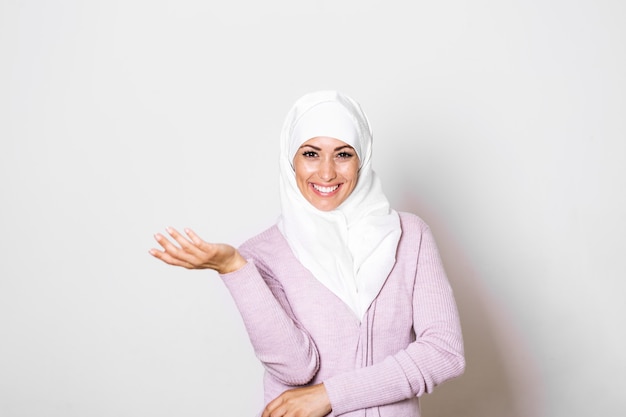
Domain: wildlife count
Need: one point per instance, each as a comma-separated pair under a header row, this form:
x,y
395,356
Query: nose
x,y
327,171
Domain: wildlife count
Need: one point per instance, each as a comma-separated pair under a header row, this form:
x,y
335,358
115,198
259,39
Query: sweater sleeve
x,y
283,346
434,357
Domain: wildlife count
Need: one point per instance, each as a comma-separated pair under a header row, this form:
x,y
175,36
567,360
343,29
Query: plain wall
x,y
501,123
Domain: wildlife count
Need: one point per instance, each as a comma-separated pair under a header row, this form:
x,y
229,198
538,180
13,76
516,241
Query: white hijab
x,y
351,250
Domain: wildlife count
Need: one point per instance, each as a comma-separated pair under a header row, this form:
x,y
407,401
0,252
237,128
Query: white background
x,y
501,123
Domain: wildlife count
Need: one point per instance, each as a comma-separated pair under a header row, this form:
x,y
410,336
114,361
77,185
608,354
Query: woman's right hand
x,y
195,253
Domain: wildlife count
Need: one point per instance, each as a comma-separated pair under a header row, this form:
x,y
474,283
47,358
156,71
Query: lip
x,y
323,194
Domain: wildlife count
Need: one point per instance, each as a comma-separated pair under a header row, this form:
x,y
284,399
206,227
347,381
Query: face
x,y
327,170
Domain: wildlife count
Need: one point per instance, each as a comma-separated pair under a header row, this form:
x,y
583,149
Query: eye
x,y
344,155
309,154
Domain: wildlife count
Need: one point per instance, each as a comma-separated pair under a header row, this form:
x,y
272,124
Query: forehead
x,y
326,143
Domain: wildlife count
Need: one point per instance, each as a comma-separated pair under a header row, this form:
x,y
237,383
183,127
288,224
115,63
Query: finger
x,y
184,243
197,250
165,242
168,259
204,247
267,412
199,243
273,413
172,250
272,409
194,237
279,412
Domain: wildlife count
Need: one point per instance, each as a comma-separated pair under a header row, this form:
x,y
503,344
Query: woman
x,y
346,301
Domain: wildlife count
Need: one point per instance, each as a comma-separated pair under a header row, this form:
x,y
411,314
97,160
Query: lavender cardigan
x,y
408,342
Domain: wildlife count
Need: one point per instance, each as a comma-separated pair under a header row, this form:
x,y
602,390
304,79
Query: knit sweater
x,y
408,341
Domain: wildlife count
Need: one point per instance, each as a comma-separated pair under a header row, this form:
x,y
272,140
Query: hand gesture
x,y
194,253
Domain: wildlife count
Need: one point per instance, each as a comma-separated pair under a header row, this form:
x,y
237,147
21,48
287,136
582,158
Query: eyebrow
x,y
319,149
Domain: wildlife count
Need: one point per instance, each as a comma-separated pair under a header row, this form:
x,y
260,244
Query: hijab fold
x,y
350,250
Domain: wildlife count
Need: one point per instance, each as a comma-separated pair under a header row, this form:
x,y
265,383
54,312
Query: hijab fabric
x,y
350,250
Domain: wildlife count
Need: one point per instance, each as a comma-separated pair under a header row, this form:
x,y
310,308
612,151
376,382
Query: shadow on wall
x,y
499,379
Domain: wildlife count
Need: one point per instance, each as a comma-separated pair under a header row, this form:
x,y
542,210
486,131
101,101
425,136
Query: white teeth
x,y
325,189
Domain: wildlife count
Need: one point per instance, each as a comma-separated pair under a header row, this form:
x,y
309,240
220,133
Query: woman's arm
x,y
283,346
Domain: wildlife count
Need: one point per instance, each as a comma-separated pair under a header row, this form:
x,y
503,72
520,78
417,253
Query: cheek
x,y
302,175
351,172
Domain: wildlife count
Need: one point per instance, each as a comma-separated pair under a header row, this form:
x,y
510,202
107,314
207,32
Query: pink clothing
x,y
408,341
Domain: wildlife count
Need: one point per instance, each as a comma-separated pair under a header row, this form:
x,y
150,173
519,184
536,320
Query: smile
x,y
325,190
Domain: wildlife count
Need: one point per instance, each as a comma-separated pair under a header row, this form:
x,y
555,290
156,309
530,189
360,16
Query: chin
x,y
324,205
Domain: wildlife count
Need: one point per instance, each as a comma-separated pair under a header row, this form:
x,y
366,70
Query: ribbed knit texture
x,y
408,341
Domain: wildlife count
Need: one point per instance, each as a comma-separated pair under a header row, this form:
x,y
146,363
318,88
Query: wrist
x,y
234,264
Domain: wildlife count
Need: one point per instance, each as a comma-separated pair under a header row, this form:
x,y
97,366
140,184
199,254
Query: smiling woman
x,y
326,172
345,300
